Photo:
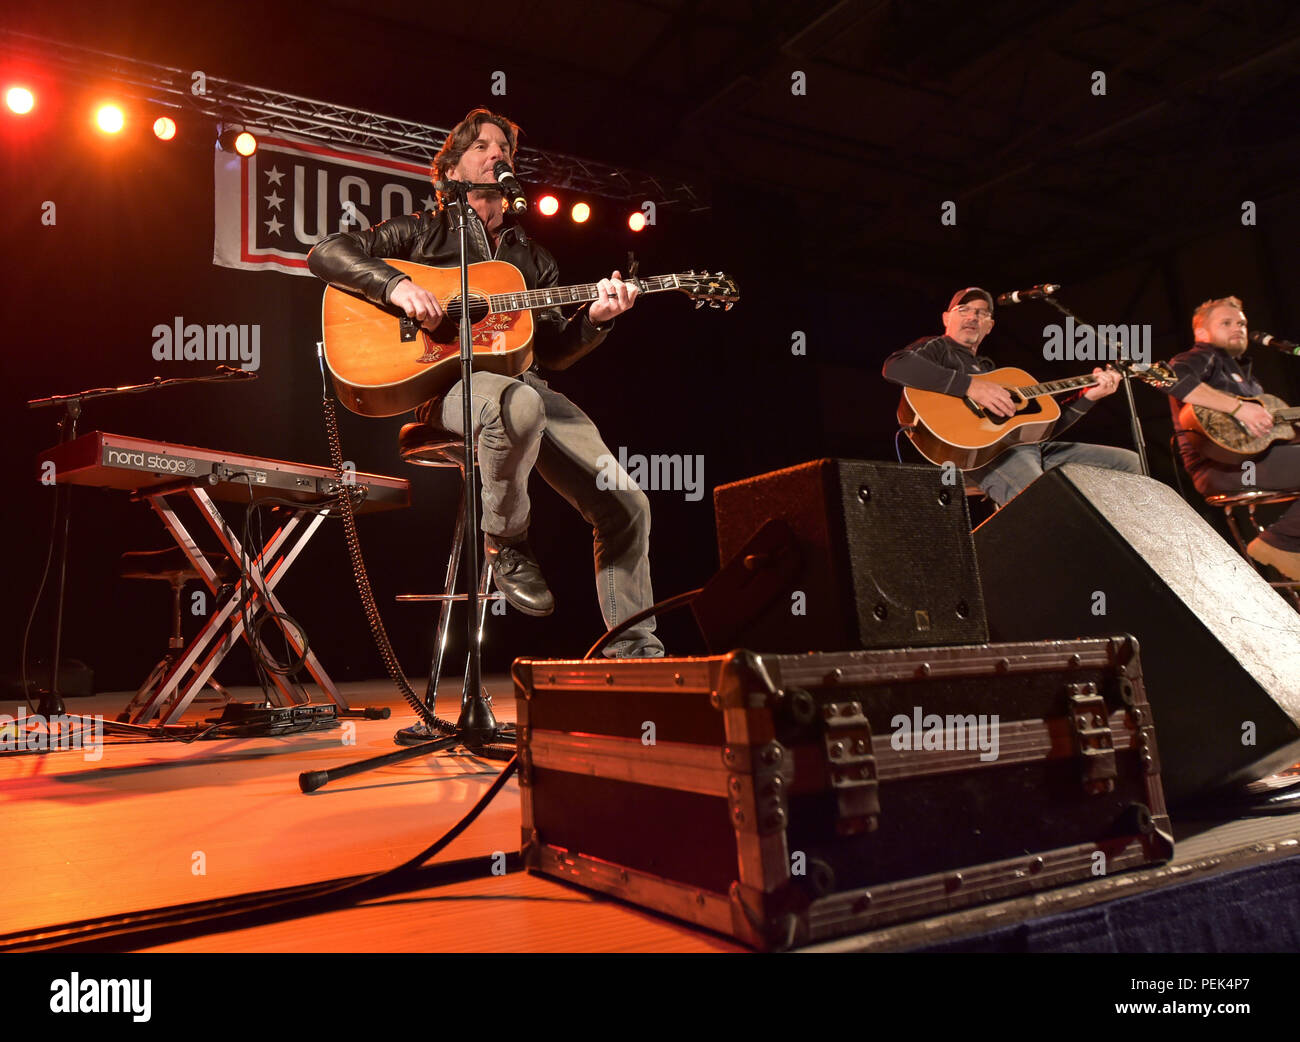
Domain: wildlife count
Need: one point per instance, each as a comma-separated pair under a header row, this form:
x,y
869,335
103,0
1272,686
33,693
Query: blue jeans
x,y
522,424
1012,472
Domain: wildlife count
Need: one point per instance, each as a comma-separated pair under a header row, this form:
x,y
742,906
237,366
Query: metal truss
x,y
257,108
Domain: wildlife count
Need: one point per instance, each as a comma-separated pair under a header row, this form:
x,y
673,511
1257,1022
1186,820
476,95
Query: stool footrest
x,y
423,598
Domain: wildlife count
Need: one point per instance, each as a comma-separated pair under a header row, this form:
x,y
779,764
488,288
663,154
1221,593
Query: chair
x,y
427,445
1250,498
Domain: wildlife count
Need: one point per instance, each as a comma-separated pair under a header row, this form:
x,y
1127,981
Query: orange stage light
x,y
245,144
548,205
109,119
636,220
164,128
20,100
580,212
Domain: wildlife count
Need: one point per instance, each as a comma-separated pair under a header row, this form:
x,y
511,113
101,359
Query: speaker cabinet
x,y
884,559
1088,552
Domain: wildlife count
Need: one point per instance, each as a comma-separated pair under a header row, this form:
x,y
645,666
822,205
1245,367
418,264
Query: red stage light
x,y
636,220
109,119
164,128
20,100
580,212
548,205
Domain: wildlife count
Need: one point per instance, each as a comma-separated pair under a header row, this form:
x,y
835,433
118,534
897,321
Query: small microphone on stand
x,y
1033,293
1269,340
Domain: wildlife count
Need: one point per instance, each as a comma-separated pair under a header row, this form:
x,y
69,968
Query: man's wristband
x,y
1237,409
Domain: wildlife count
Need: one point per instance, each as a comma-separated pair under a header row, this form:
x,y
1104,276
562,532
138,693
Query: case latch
x,y
1090,723
851,767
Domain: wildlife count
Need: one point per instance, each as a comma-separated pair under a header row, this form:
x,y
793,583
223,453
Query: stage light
x,y
548,205
164,128
109,119
580,212
636,220
20,100
236,139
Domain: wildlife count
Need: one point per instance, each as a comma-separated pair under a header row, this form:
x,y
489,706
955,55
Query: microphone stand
x,y
51,702
1139,442
476,725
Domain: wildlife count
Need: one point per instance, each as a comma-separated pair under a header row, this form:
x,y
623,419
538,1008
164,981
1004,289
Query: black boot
x,y
518,575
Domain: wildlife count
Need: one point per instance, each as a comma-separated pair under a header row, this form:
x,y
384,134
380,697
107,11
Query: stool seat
x,y
1255,496
426,445
170,565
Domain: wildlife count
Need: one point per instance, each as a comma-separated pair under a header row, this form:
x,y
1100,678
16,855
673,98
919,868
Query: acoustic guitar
x,y
1221,436
384,363
948,429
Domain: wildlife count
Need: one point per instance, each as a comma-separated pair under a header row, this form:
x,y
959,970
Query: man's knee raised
x,y
522,412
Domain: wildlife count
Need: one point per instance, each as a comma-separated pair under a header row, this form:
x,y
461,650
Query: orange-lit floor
x,y
158,824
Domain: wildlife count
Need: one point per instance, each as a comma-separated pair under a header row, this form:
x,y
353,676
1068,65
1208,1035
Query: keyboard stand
x,y
171,697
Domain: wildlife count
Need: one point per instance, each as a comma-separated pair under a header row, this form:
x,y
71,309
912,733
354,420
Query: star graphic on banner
x,y
430,203
273,200
273,226
274,175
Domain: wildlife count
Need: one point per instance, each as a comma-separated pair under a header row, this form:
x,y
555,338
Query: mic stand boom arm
x,y
1139,442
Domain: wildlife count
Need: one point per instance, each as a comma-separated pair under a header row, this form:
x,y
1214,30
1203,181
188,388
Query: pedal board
x,y
255,719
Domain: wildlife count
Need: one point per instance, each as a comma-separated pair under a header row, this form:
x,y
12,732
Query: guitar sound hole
x,y
478,308
1026,409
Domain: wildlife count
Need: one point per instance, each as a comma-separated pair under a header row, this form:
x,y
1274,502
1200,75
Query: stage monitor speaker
x,y
1089,552
884,559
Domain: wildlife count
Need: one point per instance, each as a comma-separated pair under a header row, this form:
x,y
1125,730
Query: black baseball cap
x,y
970,293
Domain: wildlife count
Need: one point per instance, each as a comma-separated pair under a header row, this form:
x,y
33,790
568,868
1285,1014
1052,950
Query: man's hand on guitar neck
x,y
991,397
417,302
1107,383
616,296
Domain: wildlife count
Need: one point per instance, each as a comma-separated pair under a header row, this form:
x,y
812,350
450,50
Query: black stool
x,y
174,568
427,445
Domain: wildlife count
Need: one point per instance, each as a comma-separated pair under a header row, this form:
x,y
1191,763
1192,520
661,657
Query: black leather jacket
x,y
354,261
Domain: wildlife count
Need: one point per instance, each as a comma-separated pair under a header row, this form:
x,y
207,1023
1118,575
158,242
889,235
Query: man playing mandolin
x,y
520,421
951,364
1214,375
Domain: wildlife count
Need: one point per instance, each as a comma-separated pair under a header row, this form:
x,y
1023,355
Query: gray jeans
x,y
1010,474
522,424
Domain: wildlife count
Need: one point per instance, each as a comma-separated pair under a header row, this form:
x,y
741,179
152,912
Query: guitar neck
x,y
1054,387
535,299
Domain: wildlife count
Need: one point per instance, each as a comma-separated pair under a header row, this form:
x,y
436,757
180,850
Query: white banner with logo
x,y
273,206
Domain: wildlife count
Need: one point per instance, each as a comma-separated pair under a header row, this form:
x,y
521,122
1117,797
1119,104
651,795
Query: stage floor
x,y
157,824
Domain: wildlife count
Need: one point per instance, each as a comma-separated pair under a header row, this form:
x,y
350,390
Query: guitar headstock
x,y
1157,374
718,291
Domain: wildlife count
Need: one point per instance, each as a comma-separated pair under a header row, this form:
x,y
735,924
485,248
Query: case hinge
x,y
1090,723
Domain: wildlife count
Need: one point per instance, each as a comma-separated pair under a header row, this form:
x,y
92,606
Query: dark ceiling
x,y
907,105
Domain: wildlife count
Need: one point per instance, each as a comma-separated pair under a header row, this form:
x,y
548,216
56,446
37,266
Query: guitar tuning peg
x,y
728,306
714,304
699,304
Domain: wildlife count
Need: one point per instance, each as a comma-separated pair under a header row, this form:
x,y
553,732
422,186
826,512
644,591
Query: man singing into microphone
x,y
951,364
1214,374
520,422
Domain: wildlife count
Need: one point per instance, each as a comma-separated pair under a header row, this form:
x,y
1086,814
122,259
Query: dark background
x,y
825,208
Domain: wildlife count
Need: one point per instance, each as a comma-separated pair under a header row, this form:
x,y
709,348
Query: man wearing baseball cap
x,y
951,364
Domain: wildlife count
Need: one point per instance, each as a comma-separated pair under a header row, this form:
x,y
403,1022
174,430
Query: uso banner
x,y
273,206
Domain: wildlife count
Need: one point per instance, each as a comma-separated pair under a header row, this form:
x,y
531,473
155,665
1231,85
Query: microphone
x,y
510,186
1269,340
1035,293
